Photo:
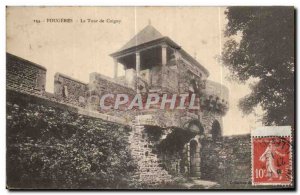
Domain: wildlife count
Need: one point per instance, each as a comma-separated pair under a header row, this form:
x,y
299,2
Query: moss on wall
x,y
50,146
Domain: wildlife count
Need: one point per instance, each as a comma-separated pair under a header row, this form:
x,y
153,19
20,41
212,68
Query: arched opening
x,y
195,127
191,152
194,159
216,130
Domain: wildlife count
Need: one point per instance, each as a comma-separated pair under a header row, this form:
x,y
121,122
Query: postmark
x,y
272,155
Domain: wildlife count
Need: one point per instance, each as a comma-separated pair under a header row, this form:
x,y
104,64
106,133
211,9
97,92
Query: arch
x,y
216,130
194,126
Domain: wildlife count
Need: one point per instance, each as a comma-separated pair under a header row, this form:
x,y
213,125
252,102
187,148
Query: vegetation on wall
x,y
48,147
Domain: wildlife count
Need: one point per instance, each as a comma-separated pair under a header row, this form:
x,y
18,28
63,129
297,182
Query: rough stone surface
x,y
150,171
101,85
207,119
169,80
52,146
70,90
171,143
227,160
23,75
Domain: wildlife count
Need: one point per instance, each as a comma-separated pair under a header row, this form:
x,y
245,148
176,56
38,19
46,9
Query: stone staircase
x,y
149,170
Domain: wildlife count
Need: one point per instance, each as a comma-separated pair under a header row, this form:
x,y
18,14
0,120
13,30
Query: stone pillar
x,y
164,55
195,159
137,63
137,67
198,161
115,68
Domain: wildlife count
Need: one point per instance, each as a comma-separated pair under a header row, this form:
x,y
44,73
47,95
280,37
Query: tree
x,y
260,50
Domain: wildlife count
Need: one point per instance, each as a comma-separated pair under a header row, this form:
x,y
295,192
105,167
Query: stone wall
x,y
101,85
217,90
150,171
192,67
70,90
180,155
23,75
169,80
207,120
222,159
227,160
51,145
156,77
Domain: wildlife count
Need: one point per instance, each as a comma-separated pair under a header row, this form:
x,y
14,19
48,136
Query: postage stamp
x,y
272,155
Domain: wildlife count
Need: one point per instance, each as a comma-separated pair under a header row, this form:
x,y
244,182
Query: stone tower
x,y
154,63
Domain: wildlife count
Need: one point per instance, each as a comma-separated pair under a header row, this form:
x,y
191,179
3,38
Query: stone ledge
x,y
102,116
58,74
26,96
9,55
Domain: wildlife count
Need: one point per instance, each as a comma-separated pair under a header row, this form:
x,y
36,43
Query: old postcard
x,y
193,98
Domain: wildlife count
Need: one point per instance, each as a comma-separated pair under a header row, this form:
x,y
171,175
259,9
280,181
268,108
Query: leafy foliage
x,y
54,148
260,47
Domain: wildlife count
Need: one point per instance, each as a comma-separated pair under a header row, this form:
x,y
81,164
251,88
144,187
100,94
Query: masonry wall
x,y
52,146
24,75
227,160
215,89
207,120
100,85
70,90
169,80
103,85
156,77
150,170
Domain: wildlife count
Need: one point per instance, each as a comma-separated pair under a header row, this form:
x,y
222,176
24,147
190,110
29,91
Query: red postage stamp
x,y
272,156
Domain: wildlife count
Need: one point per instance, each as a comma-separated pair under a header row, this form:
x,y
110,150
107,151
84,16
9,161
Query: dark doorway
x,y
193,159
216,130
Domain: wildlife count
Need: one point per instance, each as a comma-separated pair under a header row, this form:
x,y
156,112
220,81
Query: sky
x,y
78,49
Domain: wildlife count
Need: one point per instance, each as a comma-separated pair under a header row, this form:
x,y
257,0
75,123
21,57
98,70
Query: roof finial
x,y
149,22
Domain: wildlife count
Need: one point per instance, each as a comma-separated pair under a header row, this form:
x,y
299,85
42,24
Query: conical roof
x,y
149,33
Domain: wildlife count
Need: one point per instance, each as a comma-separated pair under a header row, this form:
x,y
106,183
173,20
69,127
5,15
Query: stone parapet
x,y
217,90
70,90
24,75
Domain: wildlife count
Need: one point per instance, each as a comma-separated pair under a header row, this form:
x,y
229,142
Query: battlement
x,y
203,125
217,90
24,75
103,84
29,77
70,90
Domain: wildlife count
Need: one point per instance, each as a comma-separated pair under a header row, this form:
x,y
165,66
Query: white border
x,y
272,131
